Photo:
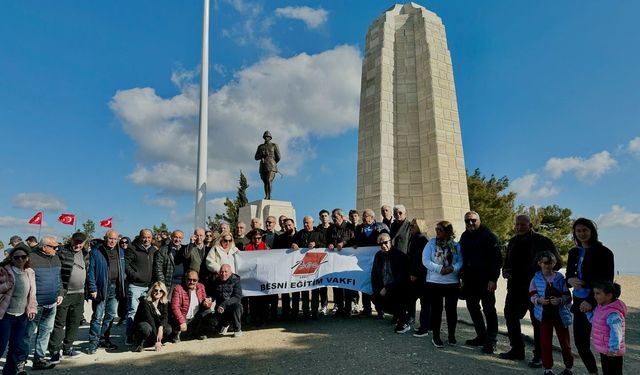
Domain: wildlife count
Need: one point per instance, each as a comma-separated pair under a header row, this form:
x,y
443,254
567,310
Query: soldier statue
x,y
269,156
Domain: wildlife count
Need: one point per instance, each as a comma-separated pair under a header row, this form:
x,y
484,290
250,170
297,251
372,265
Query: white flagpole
x,y
201,184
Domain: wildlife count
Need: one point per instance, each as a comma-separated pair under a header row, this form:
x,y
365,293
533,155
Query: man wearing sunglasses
x,y
46,265
191,309
482,261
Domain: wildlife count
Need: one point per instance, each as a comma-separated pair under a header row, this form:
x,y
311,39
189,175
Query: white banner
x,y
284,271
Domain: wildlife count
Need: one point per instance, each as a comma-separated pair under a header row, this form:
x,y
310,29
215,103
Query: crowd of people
x,y
166,290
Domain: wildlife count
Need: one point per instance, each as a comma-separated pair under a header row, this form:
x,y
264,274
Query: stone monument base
x,y
264,208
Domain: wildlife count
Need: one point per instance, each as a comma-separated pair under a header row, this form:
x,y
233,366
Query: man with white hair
x,y
106,285
400,229
226,291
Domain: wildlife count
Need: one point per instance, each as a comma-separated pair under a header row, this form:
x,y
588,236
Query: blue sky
x,y
100,105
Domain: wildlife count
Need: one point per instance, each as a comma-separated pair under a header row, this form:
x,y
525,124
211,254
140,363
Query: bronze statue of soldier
x,y
269,156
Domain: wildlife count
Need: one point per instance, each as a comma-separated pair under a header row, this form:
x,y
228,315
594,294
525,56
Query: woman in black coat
x,y
589,262
151,320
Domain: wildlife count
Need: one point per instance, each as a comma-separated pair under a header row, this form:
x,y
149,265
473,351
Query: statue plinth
x,y
266,207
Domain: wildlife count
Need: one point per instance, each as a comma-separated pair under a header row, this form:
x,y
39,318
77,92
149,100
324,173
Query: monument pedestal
x,y
265,207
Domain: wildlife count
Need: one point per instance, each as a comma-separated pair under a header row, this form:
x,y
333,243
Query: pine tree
x,y
232,206
489,199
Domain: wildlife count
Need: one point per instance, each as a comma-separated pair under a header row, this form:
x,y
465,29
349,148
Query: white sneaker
x,y
323,310
224,329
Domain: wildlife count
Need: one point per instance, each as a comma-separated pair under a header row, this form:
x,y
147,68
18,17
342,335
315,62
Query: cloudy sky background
x,y
100,106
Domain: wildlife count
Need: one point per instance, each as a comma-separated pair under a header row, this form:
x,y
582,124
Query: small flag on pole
x,y
67,219
37,219
106,223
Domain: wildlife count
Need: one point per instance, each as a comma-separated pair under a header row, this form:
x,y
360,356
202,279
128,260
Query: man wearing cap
x,y
46,265
14,241
74,260
269,156
32,242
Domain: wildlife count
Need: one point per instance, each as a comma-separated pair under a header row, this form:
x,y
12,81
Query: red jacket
x,y
180,301
251,247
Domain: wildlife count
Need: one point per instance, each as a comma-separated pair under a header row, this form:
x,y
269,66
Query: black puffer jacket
x,y
481,256
226,293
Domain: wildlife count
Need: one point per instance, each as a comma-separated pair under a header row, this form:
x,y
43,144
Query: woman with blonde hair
x,y
151,320
223,252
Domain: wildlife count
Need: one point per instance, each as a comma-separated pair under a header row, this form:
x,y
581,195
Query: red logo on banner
x,y
37,219
68,219
309,264
106,223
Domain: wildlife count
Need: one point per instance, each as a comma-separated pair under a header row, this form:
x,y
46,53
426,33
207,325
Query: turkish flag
x,y
106,223
68,219
37,219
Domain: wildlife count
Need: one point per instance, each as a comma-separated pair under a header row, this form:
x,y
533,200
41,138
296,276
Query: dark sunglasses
x,y
20,257
192,280
257,238
225,240
469,221
384,242
158,291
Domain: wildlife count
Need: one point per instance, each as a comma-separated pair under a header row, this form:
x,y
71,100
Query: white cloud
x,y
619,217
313,18
160,202
527,187
634,145
585,169
292,97
216,206
39,201
251,29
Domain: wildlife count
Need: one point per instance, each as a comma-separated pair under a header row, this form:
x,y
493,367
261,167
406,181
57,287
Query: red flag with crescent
x,y
37,219
106,223
67,219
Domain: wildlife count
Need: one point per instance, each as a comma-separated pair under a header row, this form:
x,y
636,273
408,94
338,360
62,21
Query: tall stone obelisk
x,y
409,141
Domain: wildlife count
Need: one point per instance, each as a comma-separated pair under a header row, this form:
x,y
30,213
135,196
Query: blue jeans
x,y
41,326
103,314
12,331
133,299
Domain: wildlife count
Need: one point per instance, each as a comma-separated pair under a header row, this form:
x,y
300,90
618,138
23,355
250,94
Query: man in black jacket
x,y
139,270
74,260
482,260
227,293
519,267
290,303
338,236
166,259
308,238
